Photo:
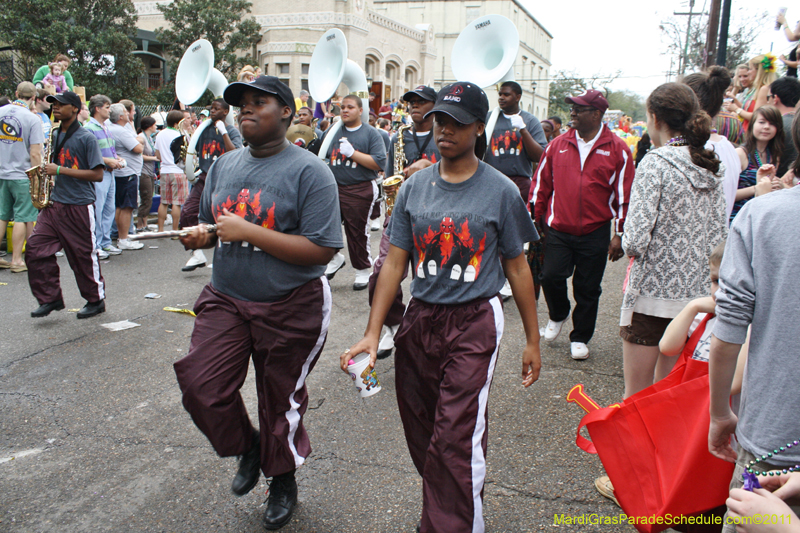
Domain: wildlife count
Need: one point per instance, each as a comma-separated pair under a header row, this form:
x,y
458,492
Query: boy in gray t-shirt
x,y
275,207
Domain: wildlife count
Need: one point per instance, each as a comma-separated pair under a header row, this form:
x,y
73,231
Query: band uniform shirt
x,y
163,141
81,151
292,192
505,150
457,232
366,140
19,129
211,145
125,142
429,152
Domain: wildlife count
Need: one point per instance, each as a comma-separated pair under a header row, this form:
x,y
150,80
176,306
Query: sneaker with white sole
x,y
386,345
335,265
102,254
197,260
362,279
168,220
375,225
112,250
505,292
552,330
60,253
579,351
127,244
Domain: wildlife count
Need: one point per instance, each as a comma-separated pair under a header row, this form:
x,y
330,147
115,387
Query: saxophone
x,y
391,185
41,185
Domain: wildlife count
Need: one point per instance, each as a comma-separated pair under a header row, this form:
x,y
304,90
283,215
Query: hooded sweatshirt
x,y
675,220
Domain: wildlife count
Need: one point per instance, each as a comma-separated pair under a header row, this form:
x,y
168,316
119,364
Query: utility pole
x,y
684,57
722,50
711,39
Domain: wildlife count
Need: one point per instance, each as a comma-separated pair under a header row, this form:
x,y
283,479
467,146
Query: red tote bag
x,y
654,447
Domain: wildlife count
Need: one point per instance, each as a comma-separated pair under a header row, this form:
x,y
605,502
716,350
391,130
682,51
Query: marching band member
x,y
355,157
462,224
278,224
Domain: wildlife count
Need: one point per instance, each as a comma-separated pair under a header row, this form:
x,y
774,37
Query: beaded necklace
x,y
677,141
749,475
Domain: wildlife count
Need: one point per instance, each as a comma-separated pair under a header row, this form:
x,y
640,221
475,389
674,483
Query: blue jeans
x,y
104,209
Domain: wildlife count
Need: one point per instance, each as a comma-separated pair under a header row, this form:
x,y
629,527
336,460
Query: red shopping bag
x,y
654,447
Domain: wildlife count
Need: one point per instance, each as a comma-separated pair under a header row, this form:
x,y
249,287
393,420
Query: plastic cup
x,y
364,377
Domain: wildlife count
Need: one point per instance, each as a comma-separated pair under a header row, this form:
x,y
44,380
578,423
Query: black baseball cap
x,y
423,91
268,84
462,100
67,97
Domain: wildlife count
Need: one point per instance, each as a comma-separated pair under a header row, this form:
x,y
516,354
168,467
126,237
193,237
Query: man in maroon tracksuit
x,y
68,223
583,182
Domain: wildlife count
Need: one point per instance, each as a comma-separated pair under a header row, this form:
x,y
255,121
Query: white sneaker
x,y
505,292
102,254
197,260
168,220
334,266
552,330
112,250
375,225
60,253
579,351
362,279
386,345
127,244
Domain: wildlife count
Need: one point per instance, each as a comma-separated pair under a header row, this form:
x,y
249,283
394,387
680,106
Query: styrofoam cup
x,y
365,378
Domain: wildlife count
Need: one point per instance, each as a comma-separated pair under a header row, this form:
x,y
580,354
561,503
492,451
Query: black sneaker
x,y
92,309
281,502
249,468
46,309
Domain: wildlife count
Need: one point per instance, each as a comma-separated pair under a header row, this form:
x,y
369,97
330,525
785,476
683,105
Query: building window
x,y
304,85
304,69
283,68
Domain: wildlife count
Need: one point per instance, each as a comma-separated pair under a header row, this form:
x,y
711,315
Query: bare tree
x,y
740,41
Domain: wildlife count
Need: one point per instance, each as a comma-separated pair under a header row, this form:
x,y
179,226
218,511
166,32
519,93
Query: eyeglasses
x,y
579,110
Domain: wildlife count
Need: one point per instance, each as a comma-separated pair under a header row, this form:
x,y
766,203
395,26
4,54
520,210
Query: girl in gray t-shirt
x,y
462,224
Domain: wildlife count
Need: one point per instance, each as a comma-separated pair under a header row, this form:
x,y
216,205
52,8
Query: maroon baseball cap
x,y
591,98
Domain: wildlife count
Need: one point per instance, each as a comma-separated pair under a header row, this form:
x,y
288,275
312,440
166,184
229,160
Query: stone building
x,y
399,43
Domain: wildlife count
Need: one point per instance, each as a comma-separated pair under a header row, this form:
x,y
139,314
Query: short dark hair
x,y
173,117
223,103
147,122
514,86
787,89
355,99
98,100
556,119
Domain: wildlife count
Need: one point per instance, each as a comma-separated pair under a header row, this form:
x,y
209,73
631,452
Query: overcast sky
x,y
603,37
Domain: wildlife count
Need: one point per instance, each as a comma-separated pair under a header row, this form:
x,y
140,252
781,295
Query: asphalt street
x,y
93,435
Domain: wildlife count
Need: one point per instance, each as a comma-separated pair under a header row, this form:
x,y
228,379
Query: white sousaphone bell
x,y
328,68
484,53
196,73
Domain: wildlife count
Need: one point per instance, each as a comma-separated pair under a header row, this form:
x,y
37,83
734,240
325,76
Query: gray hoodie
x,y
758,285
675,220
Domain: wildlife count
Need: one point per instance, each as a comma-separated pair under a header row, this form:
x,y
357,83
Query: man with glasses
x,y
583,182
784,93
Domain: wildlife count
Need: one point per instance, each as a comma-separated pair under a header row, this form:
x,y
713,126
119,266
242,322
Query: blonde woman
x,y
247,74
763,71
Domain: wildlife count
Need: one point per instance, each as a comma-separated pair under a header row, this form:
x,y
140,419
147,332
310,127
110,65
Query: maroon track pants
x,y
444,365
71,227
284,339
523,183
355,203
397,309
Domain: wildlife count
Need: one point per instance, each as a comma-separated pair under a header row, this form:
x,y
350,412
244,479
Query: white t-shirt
x,y
163,140
703,348
726,153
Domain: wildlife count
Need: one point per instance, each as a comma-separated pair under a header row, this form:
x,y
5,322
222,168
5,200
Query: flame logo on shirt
x,y
66,159
508,142
211,150
248,206
449,248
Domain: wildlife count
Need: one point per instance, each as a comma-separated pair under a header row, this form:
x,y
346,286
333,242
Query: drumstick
x,y
210,228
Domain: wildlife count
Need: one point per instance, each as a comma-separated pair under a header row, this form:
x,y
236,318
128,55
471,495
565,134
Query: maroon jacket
x,y
576,201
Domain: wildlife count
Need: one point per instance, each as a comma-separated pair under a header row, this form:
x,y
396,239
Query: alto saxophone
x,y
391,185
41,185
